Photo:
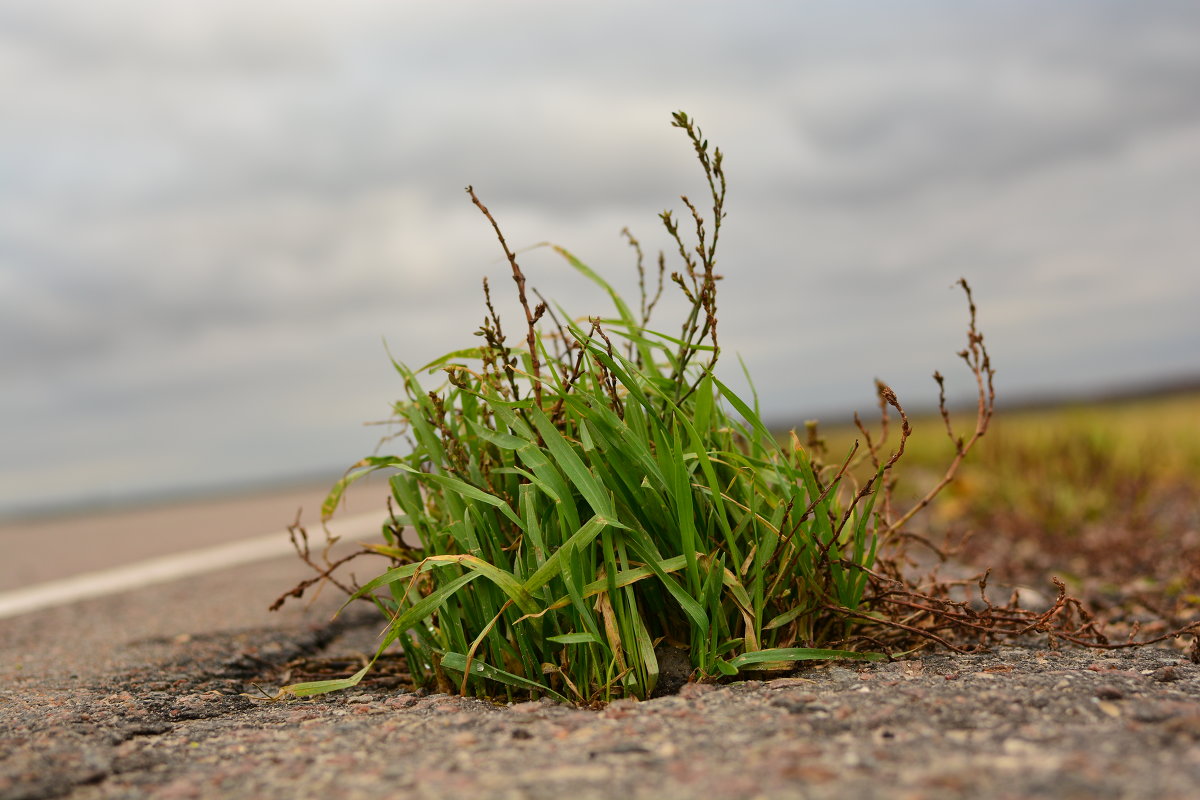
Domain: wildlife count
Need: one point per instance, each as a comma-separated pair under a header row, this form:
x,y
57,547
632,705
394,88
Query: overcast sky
x,y
212,214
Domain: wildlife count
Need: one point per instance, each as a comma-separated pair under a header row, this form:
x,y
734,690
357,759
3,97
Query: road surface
x,y
139,693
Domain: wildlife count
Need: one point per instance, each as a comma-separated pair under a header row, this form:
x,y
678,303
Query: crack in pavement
x,y
56,739
1017,722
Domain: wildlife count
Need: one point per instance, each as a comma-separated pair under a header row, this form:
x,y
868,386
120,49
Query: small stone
x,y
1152,712
403,701
1184,726
529,707
1165,674
690,690
792,705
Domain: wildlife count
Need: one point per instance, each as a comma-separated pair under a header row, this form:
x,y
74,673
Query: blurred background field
x,y
1102,493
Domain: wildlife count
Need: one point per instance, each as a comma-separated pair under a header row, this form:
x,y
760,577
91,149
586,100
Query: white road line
x,y
172,567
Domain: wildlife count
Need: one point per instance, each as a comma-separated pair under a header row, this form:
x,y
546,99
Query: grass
x,y
1067,467
589,500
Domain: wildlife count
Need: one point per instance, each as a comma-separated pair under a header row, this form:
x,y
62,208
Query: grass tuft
x,y
579,500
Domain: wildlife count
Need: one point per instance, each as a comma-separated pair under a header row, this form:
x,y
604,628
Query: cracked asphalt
x,y
141,696
77,681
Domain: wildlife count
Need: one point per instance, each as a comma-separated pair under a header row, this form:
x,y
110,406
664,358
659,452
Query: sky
x,y
213,215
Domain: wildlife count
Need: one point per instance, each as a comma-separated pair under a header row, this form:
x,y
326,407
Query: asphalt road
x,y
105,634
54,547
140,693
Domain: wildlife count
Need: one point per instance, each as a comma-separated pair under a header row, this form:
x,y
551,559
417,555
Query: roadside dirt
x,y
1019,722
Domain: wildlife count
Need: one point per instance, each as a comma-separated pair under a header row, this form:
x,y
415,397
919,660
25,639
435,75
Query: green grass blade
x,y
473,353
458,663
580,539
465,489
575,638
631,323
410,617
313,688
572,466
801,654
